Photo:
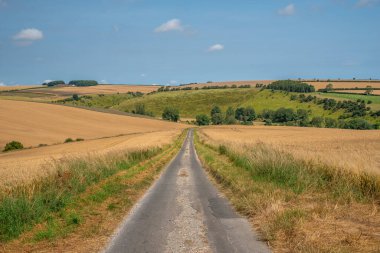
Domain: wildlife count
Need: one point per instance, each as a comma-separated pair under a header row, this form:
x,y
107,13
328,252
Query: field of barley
x,y
352,149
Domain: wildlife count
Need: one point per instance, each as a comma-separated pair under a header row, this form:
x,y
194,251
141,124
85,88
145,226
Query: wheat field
x,y
348,149
38,123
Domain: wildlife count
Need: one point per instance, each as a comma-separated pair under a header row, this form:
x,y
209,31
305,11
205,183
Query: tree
x,y
283,115
171,114
331,123
202,120
230,116
317,121
75,97
217,119
329,87
13,145
216,115
302,117
368,90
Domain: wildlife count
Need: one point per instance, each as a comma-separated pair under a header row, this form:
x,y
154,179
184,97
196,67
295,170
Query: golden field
x,y
352,149
38,123
17,87
105,89
20,167
322,85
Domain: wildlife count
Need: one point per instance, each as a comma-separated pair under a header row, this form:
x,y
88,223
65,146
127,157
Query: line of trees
x,y
291,86
73,82
243,115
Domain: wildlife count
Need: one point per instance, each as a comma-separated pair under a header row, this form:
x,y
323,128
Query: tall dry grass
x,y
298,204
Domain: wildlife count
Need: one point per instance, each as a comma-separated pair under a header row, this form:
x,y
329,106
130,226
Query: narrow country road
x,y
184,212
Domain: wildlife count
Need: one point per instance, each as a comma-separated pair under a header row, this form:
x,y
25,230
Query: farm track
x,y
183,212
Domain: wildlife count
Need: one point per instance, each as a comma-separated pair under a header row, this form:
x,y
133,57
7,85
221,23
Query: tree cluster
x,y
291,86
54,83
83,82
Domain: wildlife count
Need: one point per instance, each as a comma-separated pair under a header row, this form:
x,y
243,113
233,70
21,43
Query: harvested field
x,y
18,87
103,89
23,166
38,123
322,85
353,149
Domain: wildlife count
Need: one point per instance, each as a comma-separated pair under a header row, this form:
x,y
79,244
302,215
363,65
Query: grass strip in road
x,y
297,206
85,200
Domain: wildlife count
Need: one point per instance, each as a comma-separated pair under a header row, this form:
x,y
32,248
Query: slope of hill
x,y
37,123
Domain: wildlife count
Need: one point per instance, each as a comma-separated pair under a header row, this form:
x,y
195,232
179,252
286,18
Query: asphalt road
x,y
184,212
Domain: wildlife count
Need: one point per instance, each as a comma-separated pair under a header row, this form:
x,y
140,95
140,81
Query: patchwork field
x,y
105,89
356,150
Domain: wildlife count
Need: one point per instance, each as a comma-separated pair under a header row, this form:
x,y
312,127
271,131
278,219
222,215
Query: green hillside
x,y
193,102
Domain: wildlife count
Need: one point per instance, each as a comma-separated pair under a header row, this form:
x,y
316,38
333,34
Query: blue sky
x,y
171,42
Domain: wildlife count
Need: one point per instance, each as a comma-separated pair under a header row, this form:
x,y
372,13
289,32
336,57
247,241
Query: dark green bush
x,y
68,140
13,145
202,120
171,114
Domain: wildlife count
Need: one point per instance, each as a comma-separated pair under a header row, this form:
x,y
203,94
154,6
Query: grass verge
x,y
85,200
297,206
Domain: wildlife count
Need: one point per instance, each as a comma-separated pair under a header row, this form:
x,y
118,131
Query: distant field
x,y
322,85
18,87
98,89
37,123
357,150
317,85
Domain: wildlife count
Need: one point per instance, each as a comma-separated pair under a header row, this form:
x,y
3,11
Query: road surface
x,y
184,212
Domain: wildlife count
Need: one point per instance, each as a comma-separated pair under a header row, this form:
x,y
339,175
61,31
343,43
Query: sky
x,y
173,42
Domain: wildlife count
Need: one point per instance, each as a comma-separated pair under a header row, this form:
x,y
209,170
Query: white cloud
x,y
143,75
173,82
103,81
2,84
366,3
29,35
288,10
216,47
171,25
48,81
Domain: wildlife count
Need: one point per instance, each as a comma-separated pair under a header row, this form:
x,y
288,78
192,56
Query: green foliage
x,y
171,114
230,116
216,115
284,115
69,140
54,83
13,145
359,124
202,120
83,82
317,122
291,86
76,97
245,115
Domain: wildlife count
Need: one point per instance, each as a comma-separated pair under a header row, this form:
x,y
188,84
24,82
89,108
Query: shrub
x,y
76,97
171,114
317,122
79,139
359,124
202,120
68,140
331,123
13,145
284,115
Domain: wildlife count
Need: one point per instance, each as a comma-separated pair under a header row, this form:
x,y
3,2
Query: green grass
x,y
26,206
192,103
101,101
375,99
